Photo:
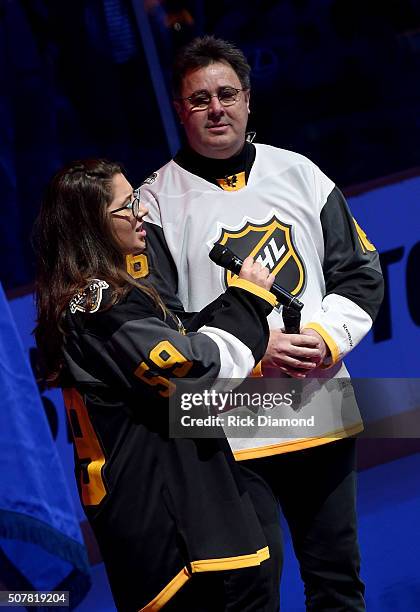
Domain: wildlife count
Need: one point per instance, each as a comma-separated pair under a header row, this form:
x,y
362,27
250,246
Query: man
x,y
280,208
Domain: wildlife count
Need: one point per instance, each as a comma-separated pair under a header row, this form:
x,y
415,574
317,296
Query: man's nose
x,y
215,108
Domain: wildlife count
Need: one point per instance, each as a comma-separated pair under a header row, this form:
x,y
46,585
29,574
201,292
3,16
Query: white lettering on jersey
x,y
272,255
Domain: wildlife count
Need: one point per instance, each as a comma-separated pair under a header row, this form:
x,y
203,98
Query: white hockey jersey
x,y
293,219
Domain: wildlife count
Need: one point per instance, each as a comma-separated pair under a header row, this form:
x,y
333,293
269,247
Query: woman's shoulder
x,y
100,299
91,298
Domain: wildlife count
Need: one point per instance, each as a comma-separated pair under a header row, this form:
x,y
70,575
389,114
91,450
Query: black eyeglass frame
x,y
217,95
133,205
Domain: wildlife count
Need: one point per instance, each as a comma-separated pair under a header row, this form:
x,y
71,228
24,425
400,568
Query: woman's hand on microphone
x,y
254,272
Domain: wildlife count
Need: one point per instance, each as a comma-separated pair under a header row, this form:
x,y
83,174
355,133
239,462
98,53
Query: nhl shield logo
x,y
270,244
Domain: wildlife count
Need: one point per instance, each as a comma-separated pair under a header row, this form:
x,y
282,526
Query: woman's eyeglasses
x,y
133,205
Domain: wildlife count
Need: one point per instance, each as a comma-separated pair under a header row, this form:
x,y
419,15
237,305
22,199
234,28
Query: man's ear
x,y
247,95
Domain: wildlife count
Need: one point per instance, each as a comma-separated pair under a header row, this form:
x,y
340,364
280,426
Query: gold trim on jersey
x,y
204,565
329,341
168,592
229,563
257,370
295,445
254,289
234,182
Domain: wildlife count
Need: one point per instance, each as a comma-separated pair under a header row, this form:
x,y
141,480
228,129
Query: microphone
x,y
291,320
224,257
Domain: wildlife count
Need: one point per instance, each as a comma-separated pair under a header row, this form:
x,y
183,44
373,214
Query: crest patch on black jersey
x,y
89,300
270,243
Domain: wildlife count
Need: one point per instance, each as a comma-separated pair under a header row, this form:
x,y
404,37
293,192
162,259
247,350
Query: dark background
x,y
336,80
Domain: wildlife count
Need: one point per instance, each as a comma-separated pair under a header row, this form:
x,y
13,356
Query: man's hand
x,y
323,348
256,273
295,354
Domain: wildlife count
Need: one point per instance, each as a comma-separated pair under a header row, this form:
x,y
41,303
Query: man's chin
x,y
220,146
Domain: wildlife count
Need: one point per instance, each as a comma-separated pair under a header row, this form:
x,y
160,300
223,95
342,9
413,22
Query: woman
x,y
162,509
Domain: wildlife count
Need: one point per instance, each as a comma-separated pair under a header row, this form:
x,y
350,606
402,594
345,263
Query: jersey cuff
x,y
332,345
255,290
257,370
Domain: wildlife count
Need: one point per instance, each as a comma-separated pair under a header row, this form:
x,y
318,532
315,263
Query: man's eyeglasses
x,y
201,99
133,205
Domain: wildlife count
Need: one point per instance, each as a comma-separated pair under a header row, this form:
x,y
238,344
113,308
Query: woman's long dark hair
x,y
74,243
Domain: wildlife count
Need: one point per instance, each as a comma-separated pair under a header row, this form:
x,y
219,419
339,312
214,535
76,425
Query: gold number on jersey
x,y
364,240
164,355
88,448
141,372
137,265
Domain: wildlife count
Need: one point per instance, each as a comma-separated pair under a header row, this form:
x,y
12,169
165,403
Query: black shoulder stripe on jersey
x,y
163,273
349,269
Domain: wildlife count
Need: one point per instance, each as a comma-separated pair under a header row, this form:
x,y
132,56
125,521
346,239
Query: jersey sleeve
x,y
162,269
163,273
130,343
353,280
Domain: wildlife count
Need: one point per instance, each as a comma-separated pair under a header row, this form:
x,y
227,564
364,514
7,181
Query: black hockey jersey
x,y
161,509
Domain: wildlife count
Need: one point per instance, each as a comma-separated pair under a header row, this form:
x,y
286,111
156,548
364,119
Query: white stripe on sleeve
x,y
236,359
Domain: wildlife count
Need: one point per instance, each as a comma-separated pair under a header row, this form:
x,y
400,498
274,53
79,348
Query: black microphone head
x,y
224,257
220,255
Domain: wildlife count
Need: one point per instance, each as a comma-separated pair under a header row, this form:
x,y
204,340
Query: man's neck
x,y
212,169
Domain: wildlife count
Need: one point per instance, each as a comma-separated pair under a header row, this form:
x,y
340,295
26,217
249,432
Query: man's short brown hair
x,y
206,50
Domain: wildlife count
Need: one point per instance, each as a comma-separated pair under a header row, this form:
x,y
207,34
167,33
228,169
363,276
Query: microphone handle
x,y
291,320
